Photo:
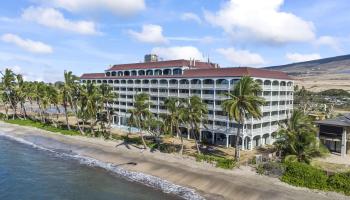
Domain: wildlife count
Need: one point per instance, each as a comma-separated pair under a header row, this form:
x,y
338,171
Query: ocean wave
x,y
139,177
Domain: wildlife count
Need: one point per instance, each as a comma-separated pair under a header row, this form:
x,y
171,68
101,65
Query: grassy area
x,y
42,126
220,162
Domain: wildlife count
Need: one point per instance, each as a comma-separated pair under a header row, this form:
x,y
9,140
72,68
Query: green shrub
x,y
221,162
304,175
340,182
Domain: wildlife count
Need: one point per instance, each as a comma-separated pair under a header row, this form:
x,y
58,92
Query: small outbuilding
x,y
335,134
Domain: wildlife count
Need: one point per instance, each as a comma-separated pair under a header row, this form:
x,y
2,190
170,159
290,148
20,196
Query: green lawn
x,y
42,126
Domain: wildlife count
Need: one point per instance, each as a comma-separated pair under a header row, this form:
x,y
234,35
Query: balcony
x,y
222,86
173,85
207,96
184,86
211,86
196,86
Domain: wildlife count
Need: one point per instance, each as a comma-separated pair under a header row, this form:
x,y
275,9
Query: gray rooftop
x,y
343,120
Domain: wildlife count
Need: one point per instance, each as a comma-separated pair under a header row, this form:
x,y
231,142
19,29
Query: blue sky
x,y
42,38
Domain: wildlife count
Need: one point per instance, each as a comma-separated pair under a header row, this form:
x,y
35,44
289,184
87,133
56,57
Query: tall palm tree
x,y
53,99
8,83
195,115
22,92
107,96
243,101
92,104
73,93
140,114
174,117
296,139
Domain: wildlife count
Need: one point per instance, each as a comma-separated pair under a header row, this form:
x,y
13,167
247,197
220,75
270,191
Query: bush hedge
x,y
221,162
340,182
304,175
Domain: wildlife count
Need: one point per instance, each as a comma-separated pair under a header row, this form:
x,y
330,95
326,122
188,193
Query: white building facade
x,y
185,78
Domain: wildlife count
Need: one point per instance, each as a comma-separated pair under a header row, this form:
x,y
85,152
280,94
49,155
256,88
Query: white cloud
x,y
178,52
328,41
297,57
26,44
241,57
119,7
150,34
191,17
53,18
262,21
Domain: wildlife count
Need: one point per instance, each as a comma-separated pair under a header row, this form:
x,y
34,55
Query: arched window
x,y
177,71
130,81
141,72
149,72
120,73
138,81
108,74
99,81
116,81
267,82
114,73
259,81
126,73
195,81
145,81
134,73
110,81
222,82
104,81
167,72
275,83
173,81
163,81
184,81
123,81
157,72
208,81
154,81
289,83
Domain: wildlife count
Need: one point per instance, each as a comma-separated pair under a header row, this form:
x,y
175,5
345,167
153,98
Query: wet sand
x,y
210,182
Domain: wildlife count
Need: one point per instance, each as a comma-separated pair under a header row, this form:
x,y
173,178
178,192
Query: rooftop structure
x,y
185,78
335,134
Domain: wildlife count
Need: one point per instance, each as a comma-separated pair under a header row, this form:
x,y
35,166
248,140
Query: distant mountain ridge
x,y
332,65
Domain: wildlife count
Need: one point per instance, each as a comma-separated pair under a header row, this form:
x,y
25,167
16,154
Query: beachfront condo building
x,y
185,78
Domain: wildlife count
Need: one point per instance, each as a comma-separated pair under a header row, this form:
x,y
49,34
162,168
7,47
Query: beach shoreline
x,y
205,179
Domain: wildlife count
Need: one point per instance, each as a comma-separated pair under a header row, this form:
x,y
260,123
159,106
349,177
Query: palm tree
x,y
53,99
243,101
107,96
140,114
8,83
22,92
174,117
296,139
195,114
92,104
73,93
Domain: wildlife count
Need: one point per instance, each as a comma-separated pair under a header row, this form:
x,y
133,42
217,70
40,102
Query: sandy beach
x,y
206,180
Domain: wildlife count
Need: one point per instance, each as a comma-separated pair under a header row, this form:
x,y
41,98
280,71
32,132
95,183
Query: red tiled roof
x,y
92,76
197,73
163,64
236,71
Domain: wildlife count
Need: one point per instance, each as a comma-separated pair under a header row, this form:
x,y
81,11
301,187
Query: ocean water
x,y
31,173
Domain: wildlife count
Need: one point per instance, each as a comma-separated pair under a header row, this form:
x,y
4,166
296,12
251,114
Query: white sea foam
x,y
145,179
